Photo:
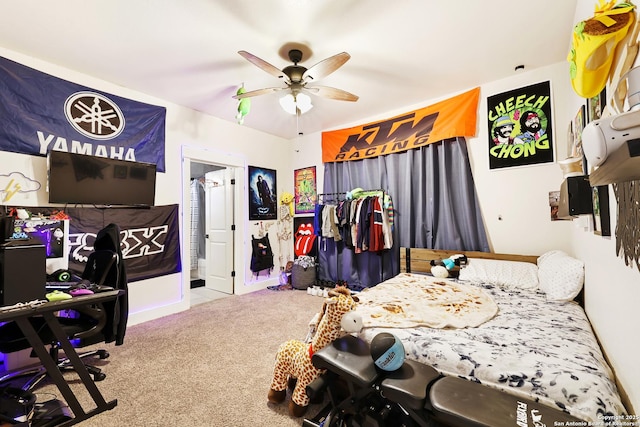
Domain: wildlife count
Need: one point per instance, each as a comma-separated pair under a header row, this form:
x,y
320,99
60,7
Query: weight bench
x,y
379,398
349,380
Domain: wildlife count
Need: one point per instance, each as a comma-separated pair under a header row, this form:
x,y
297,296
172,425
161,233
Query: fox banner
x,y
150,238
40,112
520,130
453,117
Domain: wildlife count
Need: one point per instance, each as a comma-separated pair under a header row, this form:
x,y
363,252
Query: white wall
x,y
612,289
520,196
185,129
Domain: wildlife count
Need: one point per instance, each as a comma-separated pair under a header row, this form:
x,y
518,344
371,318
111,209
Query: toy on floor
x,y
293,359
441,267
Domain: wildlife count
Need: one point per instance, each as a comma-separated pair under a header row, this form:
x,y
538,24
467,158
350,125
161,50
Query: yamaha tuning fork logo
x,y
94,115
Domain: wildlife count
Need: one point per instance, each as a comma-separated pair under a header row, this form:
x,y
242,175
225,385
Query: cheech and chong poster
x,y
520,131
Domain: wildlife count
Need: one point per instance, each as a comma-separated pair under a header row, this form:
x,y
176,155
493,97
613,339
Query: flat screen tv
x,y
83,179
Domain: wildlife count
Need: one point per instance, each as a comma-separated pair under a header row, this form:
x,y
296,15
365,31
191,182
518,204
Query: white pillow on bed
x,y
505,274
561,276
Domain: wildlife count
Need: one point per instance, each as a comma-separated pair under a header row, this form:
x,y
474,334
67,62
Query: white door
x,y
219,230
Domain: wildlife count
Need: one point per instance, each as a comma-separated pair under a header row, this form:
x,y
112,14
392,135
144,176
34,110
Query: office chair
x,y
89,325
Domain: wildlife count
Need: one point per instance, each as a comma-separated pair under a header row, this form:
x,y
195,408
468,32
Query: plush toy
x,y
287,199
244,105
293,360
440,267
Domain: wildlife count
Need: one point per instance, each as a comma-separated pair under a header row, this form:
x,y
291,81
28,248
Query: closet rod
x,y
331,194
363,191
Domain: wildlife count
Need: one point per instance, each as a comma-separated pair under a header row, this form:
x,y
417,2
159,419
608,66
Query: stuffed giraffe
x,y
293,360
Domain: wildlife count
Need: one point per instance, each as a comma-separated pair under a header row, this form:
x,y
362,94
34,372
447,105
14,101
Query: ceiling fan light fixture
x,y
292,104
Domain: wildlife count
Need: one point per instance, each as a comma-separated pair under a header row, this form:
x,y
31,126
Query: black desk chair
x,y
90,325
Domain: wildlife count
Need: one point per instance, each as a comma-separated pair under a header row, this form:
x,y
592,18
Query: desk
x,y
21,316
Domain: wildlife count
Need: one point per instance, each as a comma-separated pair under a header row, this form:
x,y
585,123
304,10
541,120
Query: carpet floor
x,y
209,366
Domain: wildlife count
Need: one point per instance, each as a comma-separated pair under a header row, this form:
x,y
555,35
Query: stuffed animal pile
x,y
293,359
440,268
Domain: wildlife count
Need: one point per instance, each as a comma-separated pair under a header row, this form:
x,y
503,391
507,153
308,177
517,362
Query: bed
x,y
526,335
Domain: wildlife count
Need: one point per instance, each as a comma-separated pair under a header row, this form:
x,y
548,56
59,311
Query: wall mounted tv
x,y
83,179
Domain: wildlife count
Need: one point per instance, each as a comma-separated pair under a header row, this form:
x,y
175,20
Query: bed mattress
x,y
532,348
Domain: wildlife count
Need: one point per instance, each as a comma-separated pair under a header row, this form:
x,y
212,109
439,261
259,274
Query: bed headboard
x,y
418,259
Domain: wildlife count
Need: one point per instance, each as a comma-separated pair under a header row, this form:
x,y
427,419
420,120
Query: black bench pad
x,y
463,403
350,358
408,385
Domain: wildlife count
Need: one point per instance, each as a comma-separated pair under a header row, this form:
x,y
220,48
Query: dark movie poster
x,y
262,194
520,129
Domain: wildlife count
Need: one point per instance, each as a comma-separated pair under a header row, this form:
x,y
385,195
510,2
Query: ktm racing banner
x,y
40,112
454,117
520,131
150,239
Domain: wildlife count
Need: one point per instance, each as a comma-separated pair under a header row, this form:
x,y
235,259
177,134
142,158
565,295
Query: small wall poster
x,y
305,190
304,237
520,128
262,194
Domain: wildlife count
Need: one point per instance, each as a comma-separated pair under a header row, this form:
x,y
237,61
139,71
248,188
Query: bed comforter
x,y
533,348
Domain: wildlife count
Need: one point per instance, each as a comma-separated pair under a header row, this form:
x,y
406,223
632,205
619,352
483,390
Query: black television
x,y
84,179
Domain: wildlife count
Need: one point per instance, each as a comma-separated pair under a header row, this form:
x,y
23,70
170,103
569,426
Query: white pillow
x,y
561,276
505,274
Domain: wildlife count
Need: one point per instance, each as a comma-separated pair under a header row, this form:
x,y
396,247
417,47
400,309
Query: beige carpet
x,y
208,366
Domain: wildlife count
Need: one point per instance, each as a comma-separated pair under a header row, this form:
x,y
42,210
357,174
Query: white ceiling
x,y
403,52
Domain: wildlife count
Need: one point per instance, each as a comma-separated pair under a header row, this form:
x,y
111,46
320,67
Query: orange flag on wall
x,y
453,117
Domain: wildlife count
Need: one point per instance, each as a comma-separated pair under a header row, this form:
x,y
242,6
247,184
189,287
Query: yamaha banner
x,y
40,112
150,238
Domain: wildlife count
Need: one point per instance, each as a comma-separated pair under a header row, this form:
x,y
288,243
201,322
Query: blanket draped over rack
x,y
410,300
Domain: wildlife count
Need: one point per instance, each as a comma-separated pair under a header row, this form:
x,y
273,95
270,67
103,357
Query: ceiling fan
x,y
296,78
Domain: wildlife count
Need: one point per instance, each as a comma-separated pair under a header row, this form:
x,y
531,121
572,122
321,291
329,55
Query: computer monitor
x,y
52,233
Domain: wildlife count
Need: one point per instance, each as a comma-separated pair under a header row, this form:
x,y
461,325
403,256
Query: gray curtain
x,y
435,207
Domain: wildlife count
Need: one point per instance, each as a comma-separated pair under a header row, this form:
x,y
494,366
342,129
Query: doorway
x,y
208,220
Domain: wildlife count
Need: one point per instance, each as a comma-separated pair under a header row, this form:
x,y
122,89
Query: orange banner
x,y
453,117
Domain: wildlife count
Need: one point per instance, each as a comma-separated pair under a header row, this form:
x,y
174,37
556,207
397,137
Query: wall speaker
x,y
576,197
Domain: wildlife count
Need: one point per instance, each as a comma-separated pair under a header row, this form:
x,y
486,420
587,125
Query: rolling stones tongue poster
x,y
304,237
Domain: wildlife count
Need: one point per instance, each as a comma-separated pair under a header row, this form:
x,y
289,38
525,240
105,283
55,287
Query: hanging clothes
x,y
198,212
363,223
330,223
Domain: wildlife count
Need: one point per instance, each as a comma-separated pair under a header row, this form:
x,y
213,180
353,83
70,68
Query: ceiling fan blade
x,y
332,93
264,65
258,92
326,67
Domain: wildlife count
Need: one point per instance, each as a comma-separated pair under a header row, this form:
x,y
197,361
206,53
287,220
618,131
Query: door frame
x,y
219,158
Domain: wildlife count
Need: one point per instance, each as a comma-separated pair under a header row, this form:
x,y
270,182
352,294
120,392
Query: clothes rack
x,y
337,198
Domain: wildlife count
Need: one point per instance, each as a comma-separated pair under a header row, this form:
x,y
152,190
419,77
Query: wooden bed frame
x,y
418,260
